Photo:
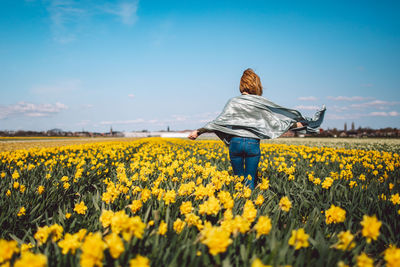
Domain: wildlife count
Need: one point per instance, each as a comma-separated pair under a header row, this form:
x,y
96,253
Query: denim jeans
x,y
244,154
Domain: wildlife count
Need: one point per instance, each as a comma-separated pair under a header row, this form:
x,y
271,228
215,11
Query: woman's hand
x,y
299,124
193,135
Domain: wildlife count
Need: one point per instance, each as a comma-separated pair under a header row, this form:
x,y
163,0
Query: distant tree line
x,y
361,132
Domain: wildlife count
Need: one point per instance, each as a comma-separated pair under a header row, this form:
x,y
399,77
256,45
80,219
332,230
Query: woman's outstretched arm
x,y
193,135
296,125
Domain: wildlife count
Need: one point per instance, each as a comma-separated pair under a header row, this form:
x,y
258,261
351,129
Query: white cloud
x,y
140,120
69,18
349,98
307,107
66,18
336,117
131,95
349,116
31,110
393,113
307,98
384,114
380,104
336,108
179,117
125,11
352,116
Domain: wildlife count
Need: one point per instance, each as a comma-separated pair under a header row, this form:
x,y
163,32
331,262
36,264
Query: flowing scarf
x,y
256,117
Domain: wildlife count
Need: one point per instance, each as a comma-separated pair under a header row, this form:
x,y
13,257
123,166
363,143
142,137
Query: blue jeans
x,y
245,154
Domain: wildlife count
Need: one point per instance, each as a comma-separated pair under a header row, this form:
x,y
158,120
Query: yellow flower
x,y
395,199
240,224
186,207
7,249
8,193
342,264
118,221
69,243
327,183
263,226
40,189
285,204
216,239
264,185
249,211
179,225
31,260
25,247
81,234
371,227
136,206
392,256
66,185
317,181
259,201
210,207
139,261
247,192
258,263
226,199
80,208
106,217
21,212
67,215
335,215
162,229
364,261
299,239
15,175
345,241
56,231
169,197
352,184
115,245
42,234
22,188
64,179
15,185
3,174
92,250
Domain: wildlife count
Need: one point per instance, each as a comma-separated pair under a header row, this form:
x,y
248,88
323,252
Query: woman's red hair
x,y
250,83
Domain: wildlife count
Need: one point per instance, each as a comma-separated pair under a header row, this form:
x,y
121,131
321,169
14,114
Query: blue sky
x,y
137,65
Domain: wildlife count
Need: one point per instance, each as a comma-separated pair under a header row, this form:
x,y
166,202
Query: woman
x,y
248,118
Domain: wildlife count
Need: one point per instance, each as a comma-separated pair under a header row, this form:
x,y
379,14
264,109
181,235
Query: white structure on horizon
x,y
182,134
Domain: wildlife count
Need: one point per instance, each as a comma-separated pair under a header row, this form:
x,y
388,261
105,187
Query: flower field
x,y
171,202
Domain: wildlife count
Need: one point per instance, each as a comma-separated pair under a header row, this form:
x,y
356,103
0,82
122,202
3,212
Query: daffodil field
x,y
172,202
